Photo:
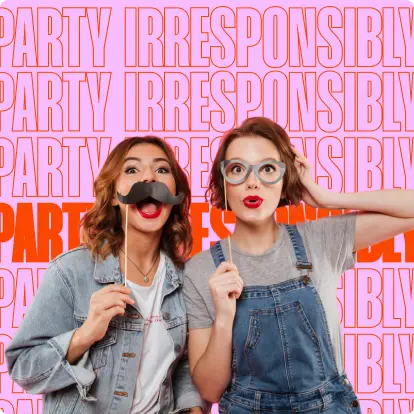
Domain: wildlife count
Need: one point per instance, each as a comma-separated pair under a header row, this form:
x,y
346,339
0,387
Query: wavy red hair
x,y
102,230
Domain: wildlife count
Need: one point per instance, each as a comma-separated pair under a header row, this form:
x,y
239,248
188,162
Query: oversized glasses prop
x,y
141,191
236,171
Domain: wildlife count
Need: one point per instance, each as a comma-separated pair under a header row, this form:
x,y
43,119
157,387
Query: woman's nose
x,y
148,175
252,181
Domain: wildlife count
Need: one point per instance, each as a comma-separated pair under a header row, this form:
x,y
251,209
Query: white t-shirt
x,y
158,348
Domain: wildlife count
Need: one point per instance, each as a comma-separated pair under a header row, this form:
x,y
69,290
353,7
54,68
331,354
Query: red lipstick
x,y
252,201
150,210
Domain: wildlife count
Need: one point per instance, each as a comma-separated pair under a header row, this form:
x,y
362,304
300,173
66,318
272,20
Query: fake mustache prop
x,y
156,190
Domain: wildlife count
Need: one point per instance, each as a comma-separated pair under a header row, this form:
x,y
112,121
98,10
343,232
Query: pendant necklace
x,y
146,278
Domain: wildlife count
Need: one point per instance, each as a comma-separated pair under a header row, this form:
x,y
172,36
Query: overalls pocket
x,y
350,399
225,406
281,343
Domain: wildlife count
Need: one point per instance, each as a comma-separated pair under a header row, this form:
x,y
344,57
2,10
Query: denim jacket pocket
x,y
177,328
98,352
175,322
65,402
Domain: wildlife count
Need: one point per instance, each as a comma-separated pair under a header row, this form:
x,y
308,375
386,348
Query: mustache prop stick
x,y
141,191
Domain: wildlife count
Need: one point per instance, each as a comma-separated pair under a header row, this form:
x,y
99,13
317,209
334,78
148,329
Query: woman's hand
x,y
105,304
226,286
313,194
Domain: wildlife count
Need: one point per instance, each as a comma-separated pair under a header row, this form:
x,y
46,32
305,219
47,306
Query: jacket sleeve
x,y
186,394
36,356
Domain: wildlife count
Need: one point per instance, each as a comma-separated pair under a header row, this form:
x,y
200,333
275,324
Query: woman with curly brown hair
x,y
93,342
264,331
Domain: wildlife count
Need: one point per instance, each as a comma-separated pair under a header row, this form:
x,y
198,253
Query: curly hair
x,y
102,231
257,127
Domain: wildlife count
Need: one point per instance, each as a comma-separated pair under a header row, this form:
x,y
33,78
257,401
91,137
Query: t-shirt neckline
x,y
275,246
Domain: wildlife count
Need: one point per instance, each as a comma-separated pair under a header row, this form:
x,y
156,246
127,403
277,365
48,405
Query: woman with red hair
x,y
93,342
264,330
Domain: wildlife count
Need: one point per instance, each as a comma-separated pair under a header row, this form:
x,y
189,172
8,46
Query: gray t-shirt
x,y
328,243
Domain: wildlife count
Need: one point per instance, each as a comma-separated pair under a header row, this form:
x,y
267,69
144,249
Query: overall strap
x,y
302,262
217,253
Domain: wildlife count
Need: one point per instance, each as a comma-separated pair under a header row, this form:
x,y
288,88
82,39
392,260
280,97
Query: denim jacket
x,y
103,379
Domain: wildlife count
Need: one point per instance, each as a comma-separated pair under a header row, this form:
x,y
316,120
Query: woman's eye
x,y
131,170
163,170
236,169
269,168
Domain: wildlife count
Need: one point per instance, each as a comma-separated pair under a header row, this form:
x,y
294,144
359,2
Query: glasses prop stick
x,y
226,209
141,191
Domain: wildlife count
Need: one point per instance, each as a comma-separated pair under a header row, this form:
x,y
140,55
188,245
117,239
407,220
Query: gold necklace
x,y
146,278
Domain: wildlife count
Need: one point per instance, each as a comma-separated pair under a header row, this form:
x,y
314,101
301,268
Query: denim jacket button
x,y
121,393
355,403
133,315
177,348
306,280
167,316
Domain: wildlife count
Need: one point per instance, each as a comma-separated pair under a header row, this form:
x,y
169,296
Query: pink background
x,y
100,80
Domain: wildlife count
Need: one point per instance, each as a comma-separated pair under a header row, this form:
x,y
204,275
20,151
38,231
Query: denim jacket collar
x,y
109,271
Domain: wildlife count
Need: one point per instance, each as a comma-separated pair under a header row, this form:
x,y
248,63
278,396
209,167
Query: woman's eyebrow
x,y
268,159
264,159
131,159
139,159
161,159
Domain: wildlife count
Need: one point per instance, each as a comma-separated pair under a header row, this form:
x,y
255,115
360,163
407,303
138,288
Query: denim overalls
x,y
283,359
